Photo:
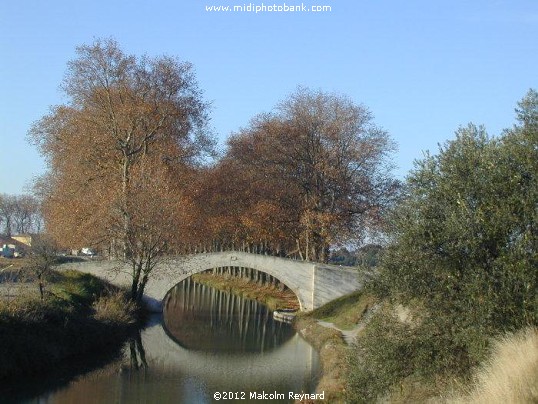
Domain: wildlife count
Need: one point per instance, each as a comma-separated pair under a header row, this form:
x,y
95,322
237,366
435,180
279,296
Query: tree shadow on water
x,y
110,359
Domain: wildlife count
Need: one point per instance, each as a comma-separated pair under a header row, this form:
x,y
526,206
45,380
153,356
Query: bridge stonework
x,y
314,284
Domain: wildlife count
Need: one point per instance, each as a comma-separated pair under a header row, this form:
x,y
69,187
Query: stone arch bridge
x,y
314,284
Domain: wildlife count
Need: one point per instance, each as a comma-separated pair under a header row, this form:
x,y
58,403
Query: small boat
x,y
284,315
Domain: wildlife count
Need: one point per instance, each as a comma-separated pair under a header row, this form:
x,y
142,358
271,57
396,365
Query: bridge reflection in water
x,y
254,354
199,317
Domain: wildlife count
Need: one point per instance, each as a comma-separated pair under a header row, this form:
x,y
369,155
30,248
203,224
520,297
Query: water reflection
x,y
155,368
137,354
199,317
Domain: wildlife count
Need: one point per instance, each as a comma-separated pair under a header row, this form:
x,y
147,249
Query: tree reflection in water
x,y
199,317
155,368
137,353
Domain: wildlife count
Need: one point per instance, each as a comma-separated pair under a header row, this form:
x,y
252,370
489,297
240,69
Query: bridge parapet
x,y
332,282
314,284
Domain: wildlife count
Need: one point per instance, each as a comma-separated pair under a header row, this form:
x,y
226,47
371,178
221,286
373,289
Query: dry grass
x,y
333,352
13,263
115,308
511,374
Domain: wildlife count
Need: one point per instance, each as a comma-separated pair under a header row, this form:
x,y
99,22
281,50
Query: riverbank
x,y
80,315
347,313
359,372
271,296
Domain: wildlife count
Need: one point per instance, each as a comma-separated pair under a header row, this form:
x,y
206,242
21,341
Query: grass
x,y
345,312
510,375
332,352
81,314
12,263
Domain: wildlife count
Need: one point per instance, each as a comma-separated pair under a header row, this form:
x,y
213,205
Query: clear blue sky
x,y
422,67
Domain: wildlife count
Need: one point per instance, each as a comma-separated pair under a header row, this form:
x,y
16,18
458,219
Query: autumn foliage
x,y
295,182
130,169
117,151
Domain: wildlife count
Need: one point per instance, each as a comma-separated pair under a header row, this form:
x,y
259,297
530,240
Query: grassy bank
x,y
271,296
510,375
332,351
346,313
79,315
395,353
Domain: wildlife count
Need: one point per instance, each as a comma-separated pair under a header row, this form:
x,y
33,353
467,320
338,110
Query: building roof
x,y
8,240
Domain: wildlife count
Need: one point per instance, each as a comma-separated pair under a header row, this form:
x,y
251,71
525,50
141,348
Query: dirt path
x,y
350,336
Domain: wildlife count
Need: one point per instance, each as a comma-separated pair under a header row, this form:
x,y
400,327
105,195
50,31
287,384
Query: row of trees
x,y
311,175
131,167
20,214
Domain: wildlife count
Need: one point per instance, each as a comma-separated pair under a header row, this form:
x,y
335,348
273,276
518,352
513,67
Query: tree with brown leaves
x,y
320,159
130,125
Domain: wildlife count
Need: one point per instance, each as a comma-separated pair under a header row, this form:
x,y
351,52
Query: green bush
x,y
463,249
466,235
381,357
390,350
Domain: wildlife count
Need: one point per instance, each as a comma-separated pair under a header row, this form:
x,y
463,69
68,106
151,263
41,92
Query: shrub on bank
x,y
398,349
115,308
81,315
462,255
381,357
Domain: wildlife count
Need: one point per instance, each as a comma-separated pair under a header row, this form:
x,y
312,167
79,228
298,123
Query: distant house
x,y
25,239
11,247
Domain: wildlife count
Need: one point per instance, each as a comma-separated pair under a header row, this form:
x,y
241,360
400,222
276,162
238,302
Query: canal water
x,y
207,342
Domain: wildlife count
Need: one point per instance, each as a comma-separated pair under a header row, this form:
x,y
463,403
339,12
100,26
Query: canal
x,y
206,342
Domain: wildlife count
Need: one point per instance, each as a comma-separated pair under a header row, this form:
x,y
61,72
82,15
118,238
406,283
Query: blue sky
x,y
422,67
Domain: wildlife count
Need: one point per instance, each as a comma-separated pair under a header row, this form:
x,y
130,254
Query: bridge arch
x,y
294,274
314,284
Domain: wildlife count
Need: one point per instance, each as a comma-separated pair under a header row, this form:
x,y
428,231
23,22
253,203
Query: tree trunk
x,y
141,288
41,288
137,268
125,207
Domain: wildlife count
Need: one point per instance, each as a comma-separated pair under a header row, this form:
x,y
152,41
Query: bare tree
x,y
8,205
20,214
26,215
43,256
